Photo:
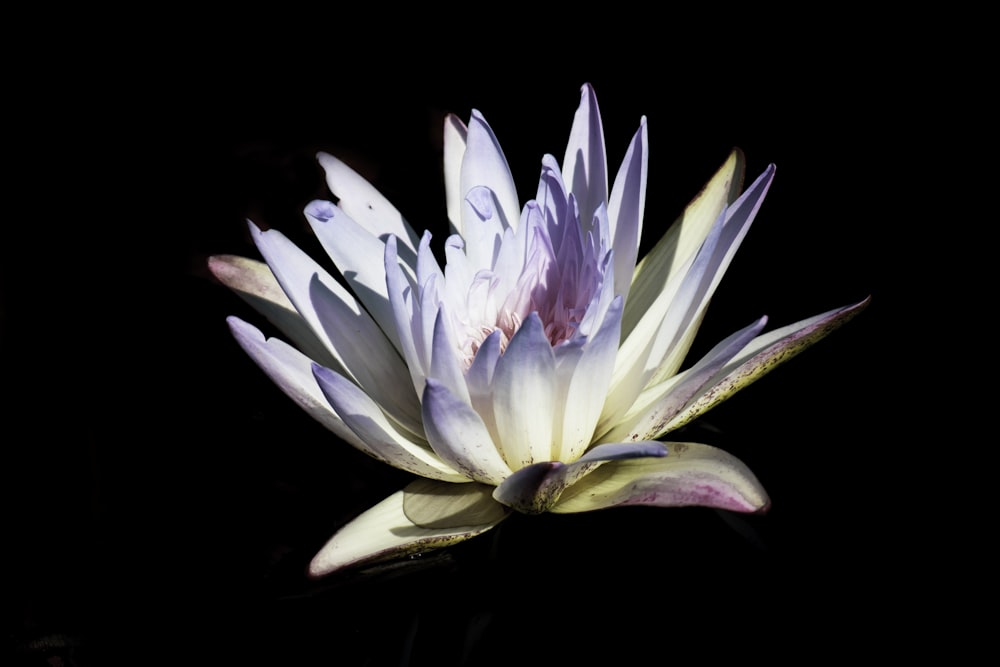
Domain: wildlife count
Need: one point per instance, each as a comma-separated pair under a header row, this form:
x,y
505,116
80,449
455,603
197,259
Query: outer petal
x,y
366,205
292,372
359,256
365,418
658,405
682,240
761,356
534,489
693,474
254,282
385,531
349,332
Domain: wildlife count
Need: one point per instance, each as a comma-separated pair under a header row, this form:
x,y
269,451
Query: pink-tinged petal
x,y
363,416
675,250
292,372
761,356
626,207
524,396
254,282
458,435
455,139
366,205
353,338
585,164
535,488
385,531
484,164
358,256
692,474
658,405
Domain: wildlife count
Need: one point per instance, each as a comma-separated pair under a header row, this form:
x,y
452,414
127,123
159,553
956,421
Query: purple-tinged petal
x,y
385,532
658,405
523,396
292,372
626,207
484,227
358,256
363,416
484,164
458,435
355,341
254,282
366,205
585,164
761,356
693,474
535,488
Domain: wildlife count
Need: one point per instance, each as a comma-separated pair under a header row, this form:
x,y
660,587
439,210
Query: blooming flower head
x,y
538,368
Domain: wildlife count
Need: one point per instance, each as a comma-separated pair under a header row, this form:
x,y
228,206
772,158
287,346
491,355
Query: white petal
x,y
585,164
523,396
455,134
349,332
587,387
254,282
626,207
484,164
363,416
384,531
762,355
366,205
292,372
658,405
459,436
678,246
359,256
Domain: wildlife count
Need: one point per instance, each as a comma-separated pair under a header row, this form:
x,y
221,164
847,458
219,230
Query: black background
x,y
166,497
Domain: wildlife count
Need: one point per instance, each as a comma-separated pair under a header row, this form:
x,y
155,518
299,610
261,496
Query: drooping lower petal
x,y
385,531
692,474
535,488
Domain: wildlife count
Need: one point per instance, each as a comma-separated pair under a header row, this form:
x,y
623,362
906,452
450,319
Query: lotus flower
x,y
536,370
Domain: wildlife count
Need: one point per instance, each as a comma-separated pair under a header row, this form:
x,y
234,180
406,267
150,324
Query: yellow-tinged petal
x,y
385,531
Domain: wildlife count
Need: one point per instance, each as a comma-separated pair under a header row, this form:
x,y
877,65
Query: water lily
x,y
537,370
